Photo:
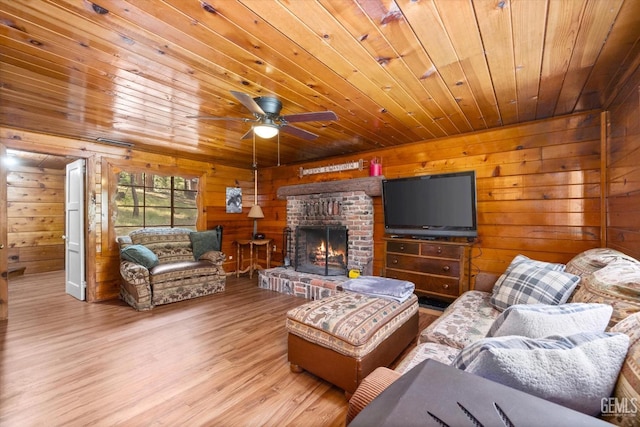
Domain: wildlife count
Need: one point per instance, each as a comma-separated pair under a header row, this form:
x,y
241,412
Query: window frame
x,y
146,187
113,169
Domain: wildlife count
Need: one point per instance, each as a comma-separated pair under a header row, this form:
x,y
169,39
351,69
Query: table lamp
x,y
256,210
255,213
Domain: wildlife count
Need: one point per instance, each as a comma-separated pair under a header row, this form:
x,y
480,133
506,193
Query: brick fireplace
x,y
347,204
353,210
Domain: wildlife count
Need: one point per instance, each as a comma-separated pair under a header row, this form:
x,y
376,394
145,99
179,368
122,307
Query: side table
x,y
253,245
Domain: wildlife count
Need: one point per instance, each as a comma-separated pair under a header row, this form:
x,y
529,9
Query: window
x,y
146,200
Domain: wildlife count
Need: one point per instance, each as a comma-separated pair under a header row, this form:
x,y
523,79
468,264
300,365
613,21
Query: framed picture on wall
x,y
234,200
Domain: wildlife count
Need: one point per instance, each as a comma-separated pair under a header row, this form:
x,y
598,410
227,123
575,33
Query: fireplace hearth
x,y
322,250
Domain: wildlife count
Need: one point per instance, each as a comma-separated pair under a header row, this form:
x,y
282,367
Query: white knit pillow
x,y
542,320
576,371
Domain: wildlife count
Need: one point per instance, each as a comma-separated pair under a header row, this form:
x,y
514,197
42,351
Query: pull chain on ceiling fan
x,y
255,161
268,121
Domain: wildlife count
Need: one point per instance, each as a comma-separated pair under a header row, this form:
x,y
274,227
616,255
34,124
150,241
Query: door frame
x,y
4,261
90,213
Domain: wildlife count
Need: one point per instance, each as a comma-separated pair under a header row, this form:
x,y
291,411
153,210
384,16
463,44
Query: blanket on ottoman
x,y
381,287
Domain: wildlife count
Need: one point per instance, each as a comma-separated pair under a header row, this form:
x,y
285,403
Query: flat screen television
x,y
431,206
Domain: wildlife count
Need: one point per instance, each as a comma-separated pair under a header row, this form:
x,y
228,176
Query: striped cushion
x,y
370,387
350,323
627,389
541,320
593,260
617,284
576,371
528,283
468,319
169,244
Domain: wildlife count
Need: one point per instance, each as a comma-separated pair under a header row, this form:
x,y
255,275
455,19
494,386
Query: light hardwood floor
x,y
217,360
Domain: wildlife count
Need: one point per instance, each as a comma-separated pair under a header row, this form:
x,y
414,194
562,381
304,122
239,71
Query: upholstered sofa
x,y
608,290
165,265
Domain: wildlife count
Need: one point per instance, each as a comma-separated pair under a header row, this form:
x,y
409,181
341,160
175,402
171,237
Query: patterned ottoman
x,y
344,337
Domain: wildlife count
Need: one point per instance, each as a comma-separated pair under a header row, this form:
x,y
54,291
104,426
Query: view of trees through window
x,y
148,200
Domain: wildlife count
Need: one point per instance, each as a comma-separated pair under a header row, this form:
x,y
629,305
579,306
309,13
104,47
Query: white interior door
x,y
74,230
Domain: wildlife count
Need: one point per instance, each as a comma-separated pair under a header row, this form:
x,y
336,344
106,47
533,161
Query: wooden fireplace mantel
x,y
372,186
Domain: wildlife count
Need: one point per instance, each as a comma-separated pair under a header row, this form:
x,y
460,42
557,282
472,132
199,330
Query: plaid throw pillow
x,y
527,283
541,264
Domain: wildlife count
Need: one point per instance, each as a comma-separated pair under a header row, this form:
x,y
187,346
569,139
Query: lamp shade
x,y
256,212
265,131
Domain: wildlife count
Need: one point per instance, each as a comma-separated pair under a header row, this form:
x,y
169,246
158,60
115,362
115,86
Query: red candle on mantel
x,y
375,167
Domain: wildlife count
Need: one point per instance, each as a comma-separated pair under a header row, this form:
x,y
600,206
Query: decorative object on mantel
x,y
356,164
375,167
372,186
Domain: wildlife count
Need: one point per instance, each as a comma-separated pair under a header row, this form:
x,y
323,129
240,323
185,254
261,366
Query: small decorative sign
x,y
356,164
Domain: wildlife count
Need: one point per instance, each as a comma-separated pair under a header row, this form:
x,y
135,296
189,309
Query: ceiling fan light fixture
x,y
265,131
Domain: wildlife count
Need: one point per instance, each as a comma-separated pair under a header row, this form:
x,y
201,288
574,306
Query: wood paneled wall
x,y
35,219
538,187
623,169
103,274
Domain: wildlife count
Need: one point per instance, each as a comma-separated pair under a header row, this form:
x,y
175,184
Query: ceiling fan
x,y
268,121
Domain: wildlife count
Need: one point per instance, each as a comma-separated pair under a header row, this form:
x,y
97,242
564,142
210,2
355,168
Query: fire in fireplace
x,y
321,250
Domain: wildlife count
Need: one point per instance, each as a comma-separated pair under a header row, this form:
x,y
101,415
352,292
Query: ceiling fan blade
x,y
248,102
318,116
300,133
237,119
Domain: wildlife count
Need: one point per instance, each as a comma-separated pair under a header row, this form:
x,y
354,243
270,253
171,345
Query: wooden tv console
x,y
439,269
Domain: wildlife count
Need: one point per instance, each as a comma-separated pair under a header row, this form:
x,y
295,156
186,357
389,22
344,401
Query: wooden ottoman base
x,y
344,371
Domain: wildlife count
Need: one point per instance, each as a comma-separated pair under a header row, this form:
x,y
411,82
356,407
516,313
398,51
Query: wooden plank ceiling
x,y
394,72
